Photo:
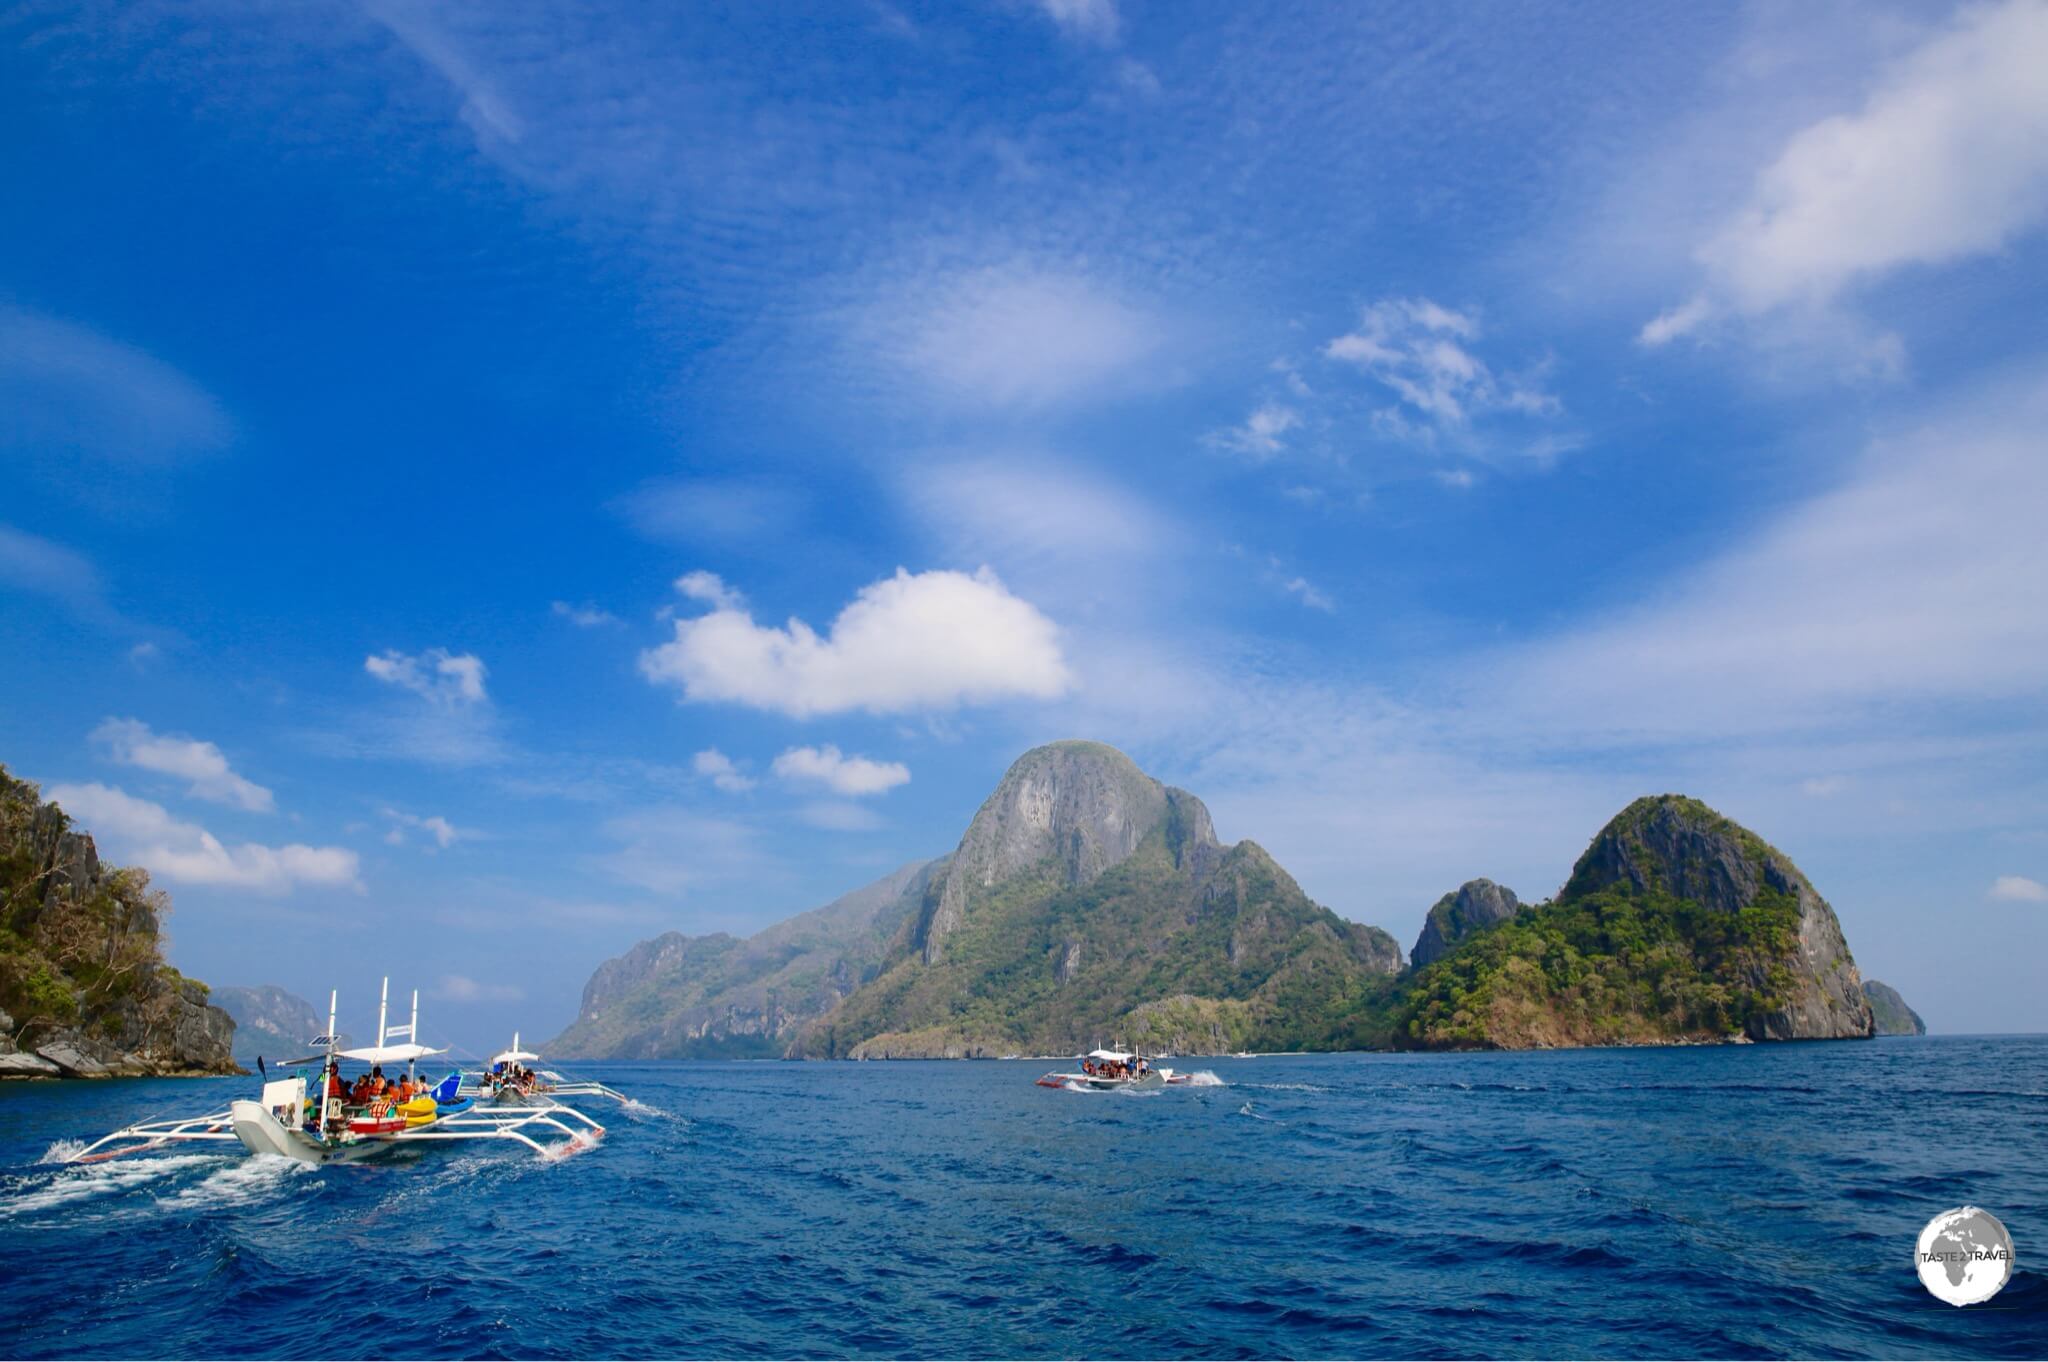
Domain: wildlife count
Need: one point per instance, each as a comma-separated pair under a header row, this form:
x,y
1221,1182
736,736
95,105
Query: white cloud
x,y
1020,335
447,679
460,988
2018,889
584,616
839,816
842,774
1946,159
672,851
444,833
188,854
69,389
1040,521
720,770
42,567
1091,21
1421,352
709,588
930,640
1259,436
201,765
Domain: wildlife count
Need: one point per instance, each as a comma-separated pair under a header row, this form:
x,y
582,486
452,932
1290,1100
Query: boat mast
x,y
383,1005
412,1033
326,1087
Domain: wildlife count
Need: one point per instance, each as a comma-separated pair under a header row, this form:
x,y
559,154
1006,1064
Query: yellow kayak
x,y
419,1111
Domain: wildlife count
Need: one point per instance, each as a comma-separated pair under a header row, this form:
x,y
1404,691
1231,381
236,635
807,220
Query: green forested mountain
x,y
1894,1017
84,988
1676,925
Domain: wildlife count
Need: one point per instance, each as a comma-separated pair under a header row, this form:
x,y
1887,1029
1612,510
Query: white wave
x,y
570,1148
1286,1087
1246,1110
97,1180
1205,1079
62,1151
250,1179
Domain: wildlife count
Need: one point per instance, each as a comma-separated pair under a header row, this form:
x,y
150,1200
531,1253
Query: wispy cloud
x,y
460,988
201,765
1260,437
930,640
710,589
450,721
1947,158
1088,21
69,390
185,853
693,511
436,675
585,616
442,833
41,567
841,774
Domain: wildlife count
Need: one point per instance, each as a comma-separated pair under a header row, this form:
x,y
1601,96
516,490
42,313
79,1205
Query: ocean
x,y
1733,1201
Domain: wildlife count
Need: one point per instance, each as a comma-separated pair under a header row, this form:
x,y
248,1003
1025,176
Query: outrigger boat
x,y
508,1081
326,1129
1111,1070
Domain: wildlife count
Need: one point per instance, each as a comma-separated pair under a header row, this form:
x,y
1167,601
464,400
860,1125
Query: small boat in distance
x,y
509,1081
1114,1070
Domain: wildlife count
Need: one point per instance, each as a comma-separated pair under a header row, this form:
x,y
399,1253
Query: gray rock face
x,y
1076,808
678,996
269,1022
1682,847
1472,907
1894,1017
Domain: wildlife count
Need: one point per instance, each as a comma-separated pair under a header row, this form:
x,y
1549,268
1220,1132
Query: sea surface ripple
x,y
1740,1201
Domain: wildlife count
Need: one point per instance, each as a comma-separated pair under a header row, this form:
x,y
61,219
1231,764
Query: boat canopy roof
x,y
390,1054
1119,1056
512,1056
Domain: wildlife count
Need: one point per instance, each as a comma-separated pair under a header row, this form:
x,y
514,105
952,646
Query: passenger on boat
x,y
1088,1067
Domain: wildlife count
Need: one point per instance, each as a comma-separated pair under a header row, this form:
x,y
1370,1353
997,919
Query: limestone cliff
x,y
1084,892
1894,1017
269,1022
84,989
1471,907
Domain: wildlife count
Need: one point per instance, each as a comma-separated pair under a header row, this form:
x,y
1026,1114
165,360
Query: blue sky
x,y
480,486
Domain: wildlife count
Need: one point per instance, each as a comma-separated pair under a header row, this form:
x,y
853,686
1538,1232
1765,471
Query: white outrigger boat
x,y
1114,1070
326,1129
509,1081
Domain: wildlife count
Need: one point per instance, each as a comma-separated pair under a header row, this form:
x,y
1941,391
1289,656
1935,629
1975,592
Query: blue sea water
x,y
1742,1201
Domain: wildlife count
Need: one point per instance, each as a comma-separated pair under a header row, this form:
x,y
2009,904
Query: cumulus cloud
x,y
719,769
447,679
1422,353
200,765
842,774
2018,889
709,588
584,616
1259,436
185,853
1946,159
929,640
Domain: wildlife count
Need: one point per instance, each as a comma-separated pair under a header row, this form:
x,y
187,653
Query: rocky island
x,y
85,991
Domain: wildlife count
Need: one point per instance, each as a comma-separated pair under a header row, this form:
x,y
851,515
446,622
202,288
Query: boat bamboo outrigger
x,y
334,1128
1114,1070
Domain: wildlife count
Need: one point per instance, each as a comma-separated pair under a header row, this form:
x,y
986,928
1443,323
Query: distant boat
x,y
1091,1075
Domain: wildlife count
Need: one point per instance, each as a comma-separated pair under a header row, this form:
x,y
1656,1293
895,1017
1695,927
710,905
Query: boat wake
x,y
1204,1078
78,1183
62,1151
1246,1110
569,1149
240,1183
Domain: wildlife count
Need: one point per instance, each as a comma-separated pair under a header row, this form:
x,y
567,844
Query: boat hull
x,y
262,1133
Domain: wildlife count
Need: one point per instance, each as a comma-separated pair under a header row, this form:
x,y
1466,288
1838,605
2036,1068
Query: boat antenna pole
x,y
383,1005
412,1033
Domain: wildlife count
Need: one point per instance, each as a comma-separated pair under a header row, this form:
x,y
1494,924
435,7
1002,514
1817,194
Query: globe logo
x,y
1964,1256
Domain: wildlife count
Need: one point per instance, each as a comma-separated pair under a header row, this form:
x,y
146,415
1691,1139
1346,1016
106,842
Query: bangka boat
x,y
288,1120
1112,1070
509,1080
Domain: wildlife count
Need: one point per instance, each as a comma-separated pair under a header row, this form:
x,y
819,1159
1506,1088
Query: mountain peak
x,y
1471,907
1070,810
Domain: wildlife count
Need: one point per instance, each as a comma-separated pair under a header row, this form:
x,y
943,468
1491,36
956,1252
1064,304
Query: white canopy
x,y
1117,1055
513,1056
390,1054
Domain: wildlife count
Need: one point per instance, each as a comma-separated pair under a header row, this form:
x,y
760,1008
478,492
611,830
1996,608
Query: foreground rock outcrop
x,y
1893,1016
84,989
1677,925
